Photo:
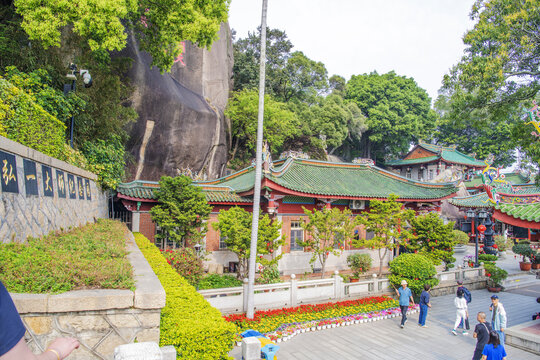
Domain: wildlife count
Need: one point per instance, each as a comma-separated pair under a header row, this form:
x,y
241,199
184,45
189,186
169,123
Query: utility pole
x,y
258,165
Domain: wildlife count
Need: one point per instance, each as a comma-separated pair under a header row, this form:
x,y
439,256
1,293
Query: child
x,y
461,311
424,305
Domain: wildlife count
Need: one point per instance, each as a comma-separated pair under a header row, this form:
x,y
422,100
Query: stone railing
x,y
100,319
295,292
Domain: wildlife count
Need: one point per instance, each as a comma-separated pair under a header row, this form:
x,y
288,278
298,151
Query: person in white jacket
x,y
498,317
462,312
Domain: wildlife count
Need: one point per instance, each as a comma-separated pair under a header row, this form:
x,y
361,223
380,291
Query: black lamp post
x,y
72,75
471,214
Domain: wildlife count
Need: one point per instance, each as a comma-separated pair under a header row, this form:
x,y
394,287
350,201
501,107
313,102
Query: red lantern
x,y
481,228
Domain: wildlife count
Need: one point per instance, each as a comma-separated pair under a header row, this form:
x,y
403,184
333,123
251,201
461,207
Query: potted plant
x,y
461,240
359,264
496,276
524,249
535,261
502,245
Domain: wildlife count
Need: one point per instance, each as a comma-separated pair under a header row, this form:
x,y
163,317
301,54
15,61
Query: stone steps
x,y
514,281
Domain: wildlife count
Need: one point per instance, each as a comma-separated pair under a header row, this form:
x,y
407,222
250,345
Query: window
x,y
409,175
420,174
297,234
338,240
222,244
430,174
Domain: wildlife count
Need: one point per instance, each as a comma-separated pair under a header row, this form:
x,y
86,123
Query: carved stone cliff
x,y
181,123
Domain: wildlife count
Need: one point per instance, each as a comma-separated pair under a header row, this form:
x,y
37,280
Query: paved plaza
x,y
386,340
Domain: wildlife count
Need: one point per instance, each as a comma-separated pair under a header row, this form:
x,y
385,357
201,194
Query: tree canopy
x,y
398,112
182,210
160,26
234,226
328,231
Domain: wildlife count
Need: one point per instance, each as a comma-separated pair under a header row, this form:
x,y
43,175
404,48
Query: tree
x,y
246,59
302,79
328,231
477,131
389,222
280,124
182,210
501,64
433,239
397,110
160,26
234,226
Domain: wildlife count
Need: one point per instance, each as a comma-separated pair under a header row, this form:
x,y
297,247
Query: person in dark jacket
x,y
424,305
481,334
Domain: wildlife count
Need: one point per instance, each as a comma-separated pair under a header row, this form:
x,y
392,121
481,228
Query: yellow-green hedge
x,y
188,322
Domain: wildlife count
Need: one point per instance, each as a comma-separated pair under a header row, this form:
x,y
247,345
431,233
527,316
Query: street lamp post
x,y
72,75
471,214
481,228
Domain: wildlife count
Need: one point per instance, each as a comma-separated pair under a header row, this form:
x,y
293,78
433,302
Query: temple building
x,y
512,210
425,162
288,186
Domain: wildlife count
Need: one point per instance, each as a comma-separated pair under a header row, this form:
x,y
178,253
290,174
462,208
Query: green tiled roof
x,y
448,154
513,178
144,190
138,189
413,161
481,200
312,178
527,212
475,201
323,178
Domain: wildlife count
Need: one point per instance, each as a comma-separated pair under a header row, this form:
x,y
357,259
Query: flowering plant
x,y
186,263
279,319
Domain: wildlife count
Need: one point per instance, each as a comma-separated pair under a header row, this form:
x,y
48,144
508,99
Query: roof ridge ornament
x,y
295,154
193,175
363,161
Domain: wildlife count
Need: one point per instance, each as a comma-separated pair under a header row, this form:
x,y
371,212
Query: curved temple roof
x,y
448,154
337,180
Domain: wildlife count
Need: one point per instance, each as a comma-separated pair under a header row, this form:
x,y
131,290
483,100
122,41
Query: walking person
x,y
405,294
481,334
493,349
468,297
462,311
498,317
424,305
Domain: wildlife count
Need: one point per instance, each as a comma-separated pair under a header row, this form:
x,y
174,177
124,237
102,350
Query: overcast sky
x,y
421,39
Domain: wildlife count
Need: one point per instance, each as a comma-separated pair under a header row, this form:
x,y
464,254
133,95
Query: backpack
x,y
467,295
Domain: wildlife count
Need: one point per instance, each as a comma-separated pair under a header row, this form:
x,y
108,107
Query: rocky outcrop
x,y
181,123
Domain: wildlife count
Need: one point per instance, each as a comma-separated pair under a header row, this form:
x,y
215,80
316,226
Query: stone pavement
x,y
384,339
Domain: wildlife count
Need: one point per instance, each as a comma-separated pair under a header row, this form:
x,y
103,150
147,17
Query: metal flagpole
x,y
258,161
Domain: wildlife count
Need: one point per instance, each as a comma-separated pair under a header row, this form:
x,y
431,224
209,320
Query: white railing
x,y
295,292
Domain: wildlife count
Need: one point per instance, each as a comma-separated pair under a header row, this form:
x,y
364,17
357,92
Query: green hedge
x,y
188,322
416,269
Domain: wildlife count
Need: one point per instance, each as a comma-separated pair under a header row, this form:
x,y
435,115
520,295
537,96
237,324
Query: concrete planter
x,y
100,319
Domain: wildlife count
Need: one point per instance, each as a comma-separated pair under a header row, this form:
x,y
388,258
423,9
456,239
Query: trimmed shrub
x,y
416,269
459,237
216,281
188,322
524,249
186,263
359,263
487,257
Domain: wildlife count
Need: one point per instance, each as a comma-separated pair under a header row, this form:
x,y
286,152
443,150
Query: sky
x,y
421,39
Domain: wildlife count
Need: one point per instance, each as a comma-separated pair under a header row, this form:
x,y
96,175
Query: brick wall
x,y
147,227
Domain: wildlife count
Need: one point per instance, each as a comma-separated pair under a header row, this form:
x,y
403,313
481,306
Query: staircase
x,y
514,281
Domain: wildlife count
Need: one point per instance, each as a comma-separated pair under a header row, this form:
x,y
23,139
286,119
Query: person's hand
x,y
64,346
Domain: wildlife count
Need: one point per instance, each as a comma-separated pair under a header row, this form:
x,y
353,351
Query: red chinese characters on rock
x,y
180,57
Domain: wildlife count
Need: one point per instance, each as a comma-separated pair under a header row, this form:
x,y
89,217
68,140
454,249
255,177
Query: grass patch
x,y
88,257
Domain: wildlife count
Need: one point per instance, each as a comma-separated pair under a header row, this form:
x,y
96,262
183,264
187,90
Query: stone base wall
x,y
32,202
100,319
450,287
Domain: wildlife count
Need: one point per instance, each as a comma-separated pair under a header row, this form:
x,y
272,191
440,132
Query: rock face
x,y
181,123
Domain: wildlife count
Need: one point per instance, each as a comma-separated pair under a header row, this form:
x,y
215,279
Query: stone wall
x,y
100,319
32,202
